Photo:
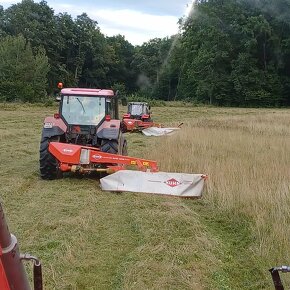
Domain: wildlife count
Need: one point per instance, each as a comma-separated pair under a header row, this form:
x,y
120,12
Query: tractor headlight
x,y
85,156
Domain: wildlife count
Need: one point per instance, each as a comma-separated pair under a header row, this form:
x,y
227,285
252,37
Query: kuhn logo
x,y
97,156
172,182
65,150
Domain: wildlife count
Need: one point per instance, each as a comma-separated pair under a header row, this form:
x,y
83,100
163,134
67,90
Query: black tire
x,y
115,146
110,146
125,149
123,127
48,165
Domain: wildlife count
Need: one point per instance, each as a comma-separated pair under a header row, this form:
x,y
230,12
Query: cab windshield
x,y
137,109
83,110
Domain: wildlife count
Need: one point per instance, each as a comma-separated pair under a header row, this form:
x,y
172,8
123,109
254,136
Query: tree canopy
x,y
22,74
227,52
235,53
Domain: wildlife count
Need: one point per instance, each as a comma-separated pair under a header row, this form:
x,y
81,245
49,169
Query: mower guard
x,y
173,184
155,131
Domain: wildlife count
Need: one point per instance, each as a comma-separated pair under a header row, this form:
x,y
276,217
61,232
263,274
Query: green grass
x,y
89,239
239,269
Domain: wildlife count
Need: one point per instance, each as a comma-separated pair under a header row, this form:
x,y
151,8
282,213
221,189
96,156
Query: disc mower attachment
x,y
155,131
147,179
173,184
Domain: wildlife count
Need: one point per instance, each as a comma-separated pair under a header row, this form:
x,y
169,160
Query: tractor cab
x,y
137,118
87,107
84,112
138,111
86,117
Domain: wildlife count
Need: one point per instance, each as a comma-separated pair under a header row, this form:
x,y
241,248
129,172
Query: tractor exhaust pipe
x,y
12,260
116,105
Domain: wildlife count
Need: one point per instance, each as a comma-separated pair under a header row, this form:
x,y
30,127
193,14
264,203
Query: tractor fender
x,y
53,127
130,124
109,130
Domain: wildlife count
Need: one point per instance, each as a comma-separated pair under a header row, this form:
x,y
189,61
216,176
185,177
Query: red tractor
x,y
85,135
138,117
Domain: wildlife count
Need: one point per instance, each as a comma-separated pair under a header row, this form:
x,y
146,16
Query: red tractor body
x,y
138,117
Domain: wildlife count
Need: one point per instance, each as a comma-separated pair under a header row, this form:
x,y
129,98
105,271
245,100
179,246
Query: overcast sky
x,y
139,21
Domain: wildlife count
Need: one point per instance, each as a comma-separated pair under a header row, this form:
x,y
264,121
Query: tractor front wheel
x,y
48,163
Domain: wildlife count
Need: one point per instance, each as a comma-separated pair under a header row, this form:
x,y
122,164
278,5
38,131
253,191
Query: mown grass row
x,y
247,157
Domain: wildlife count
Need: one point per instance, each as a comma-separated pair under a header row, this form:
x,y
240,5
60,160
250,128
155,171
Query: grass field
x,y
89,239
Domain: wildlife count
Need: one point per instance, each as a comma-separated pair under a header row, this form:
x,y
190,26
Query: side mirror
x,y
124,101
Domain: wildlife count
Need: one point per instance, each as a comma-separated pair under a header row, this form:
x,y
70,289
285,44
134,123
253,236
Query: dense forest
x,y
227,52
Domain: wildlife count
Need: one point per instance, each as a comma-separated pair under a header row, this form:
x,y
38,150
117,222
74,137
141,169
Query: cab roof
x,y
137,103
88,92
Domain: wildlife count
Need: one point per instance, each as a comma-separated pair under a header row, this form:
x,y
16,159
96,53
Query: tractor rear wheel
x,y
125,149
110,146
115,146
48,163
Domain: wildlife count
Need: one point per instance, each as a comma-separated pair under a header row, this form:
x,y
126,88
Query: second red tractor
x,y
138,117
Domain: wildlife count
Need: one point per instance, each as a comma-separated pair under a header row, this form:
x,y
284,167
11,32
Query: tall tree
x,y
23,75
120,68
231,56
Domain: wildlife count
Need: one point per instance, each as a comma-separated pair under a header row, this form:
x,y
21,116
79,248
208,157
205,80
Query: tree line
x,y
227,52
233,52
